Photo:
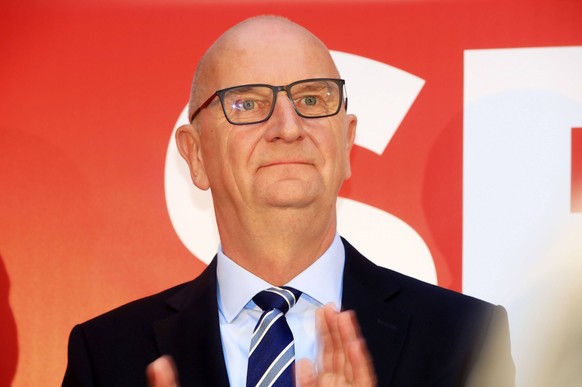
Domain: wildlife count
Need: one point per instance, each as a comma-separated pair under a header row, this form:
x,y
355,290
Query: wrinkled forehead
x,y
271,51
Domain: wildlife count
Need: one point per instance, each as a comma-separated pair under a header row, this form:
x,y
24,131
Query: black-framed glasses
x,y
254,103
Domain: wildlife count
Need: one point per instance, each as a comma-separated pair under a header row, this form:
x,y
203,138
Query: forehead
x,y
267,52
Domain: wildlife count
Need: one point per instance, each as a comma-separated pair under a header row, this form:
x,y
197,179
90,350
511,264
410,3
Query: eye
x,y
247,104
309,100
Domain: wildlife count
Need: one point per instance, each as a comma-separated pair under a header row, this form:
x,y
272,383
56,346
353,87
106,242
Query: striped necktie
x,y
272,353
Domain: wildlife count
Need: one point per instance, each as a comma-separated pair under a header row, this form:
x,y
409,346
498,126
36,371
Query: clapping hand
x,y
344,358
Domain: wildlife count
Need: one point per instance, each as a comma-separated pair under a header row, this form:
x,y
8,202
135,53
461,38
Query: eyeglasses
x,y
252,104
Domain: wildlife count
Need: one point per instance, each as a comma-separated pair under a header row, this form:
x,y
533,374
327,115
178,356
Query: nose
x,y
285,124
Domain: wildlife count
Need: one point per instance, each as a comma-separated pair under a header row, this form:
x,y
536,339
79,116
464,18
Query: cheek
x,y
336,154
242,141
332,146
214,151
239,150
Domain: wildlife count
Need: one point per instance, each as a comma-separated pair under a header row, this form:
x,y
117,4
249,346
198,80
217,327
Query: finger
x,y
348,327
338,350
325,342
306,375
361,364
162,373
348,330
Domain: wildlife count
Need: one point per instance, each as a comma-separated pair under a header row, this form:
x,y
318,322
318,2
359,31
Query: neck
x,y
279,245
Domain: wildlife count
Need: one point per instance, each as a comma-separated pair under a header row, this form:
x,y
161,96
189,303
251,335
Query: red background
x,y
90,91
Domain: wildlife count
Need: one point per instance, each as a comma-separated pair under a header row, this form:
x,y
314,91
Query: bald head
x,y
260,50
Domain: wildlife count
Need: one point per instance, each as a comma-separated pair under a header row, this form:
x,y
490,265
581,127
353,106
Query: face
x,y
287,161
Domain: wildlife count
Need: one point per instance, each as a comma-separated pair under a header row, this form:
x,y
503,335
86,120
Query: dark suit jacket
x,y
417,334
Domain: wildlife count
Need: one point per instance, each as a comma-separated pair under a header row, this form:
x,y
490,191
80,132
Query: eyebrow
x,y
310,87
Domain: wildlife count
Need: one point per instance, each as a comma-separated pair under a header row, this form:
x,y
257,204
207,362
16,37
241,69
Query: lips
x,y
275,163
281,163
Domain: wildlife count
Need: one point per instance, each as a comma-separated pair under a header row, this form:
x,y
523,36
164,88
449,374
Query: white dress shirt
x,y
320,284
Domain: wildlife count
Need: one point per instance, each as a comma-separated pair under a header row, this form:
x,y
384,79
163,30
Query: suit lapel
x,y
192,334
368,291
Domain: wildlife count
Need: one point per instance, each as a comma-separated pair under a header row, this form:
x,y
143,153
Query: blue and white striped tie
x,y
272,352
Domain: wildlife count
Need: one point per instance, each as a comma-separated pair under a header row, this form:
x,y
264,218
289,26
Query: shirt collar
x,y
322,281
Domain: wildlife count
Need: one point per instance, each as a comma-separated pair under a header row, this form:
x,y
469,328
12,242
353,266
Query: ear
x,y
350,138
188,141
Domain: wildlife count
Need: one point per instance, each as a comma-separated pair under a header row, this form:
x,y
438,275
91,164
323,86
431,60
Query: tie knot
x,y
281,298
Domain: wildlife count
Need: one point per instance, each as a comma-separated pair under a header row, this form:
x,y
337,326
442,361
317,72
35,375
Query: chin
x,y
293,193
289,202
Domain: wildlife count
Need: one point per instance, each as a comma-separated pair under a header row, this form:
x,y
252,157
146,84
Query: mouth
x,y
279,163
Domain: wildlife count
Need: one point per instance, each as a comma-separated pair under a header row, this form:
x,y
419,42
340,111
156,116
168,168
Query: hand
x,y
162,373
344,358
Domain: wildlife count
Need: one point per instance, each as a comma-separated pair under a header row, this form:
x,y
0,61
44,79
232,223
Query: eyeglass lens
x,y
312,98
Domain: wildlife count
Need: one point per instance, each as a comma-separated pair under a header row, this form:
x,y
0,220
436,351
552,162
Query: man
x,y
270,135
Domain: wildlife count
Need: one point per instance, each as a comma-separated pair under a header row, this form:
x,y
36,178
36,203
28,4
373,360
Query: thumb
x,y
162,373
306,374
